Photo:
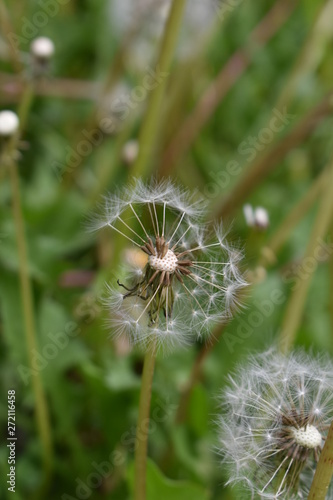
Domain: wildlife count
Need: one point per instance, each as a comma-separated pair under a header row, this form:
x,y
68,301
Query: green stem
x,y
25,103
149,130
42,416
143,424
324,471
29,322
296,304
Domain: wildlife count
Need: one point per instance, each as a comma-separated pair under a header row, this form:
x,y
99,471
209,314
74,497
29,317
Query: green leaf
x,y
159,486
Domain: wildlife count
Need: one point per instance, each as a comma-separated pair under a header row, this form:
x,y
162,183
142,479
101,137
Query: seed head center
x,y
168,263
308,436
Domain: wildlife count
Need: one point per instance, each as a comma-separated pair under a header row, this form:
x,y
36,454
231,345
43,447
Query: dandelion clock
x,y
275,418
191,278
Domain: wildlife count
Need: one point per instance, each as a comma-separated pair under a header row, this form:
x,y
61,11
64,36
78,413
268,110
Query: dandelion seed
x,y
183,289
276,415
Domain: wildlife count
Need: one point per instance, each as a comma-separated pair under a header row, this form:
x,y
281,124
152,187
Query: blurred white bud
x,y
261,218
248,214
9,123
42,48
256,217
130,151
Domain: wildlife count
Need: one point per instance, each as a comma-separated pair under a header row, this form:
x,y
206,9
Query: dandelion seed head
x,y
185,283
275,417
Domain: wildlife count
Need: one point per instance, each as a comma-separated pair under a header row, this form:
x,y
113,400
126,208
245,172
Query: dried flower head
x,y
191,278
276,415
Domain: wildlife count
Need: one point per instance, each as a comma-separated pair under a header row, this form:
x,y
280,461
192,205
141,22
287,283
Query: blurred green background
x,y
72,151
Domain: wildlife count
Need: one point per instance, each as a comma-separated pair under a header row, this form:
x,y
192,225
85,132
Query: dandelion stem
x,y
324,471
142,425
296,304
149,130
42,416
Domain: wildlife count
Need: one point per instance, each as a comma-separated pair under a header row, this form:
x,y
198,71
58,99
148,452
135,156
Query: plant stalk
x,y
150,128
324,471
142,430
42,416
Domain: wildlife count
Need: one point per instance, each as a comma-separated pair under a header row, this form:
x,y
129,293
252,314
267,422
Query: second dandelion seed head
x,y
275,420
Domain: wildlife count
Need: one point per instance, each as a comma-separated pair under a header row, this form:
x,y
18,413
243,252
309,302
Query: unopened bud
x,y
130,151
261,218
42,48
9,123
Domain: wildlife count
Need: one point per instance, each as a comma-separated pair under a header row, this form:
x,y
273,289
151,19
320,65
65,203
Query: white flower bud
x,y
261,218
256,217
9,123
42,48
130,151
248,214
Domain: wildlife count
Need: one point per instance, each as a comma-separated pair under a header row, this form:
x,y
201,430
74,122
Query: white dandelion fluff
x,y
275,417
191,278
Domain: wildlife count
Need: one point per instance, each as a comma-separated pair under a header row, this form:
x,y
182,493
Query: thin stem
x,y
296,304
29,322
324,471
149,130
143,424
26,103
331,290
196,374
